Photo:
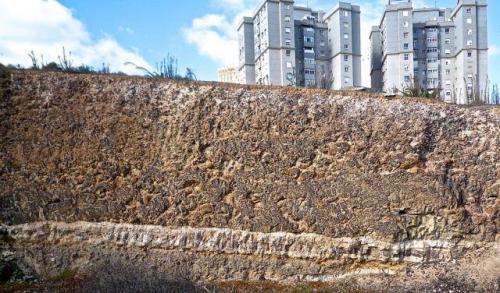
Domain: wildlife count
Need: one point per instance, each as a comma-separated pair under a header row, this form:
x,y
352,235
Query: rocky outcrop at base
x,y
228,241
106,254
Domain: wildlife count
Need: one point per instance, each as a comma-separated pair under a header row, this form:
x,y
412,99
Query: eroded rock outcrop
x,y
257,160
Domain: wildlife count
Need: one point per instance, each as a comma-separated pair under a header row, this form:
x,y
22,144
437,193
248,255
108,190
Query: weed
x,y
64,275
167,69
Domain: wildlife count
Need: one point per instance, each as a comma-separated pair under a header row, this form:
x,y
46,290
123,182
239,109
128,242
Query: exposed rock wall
x,y
100,148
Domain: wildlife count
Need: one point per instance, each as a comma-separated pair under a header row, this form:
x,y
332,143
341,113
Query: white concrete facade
x,y
229,75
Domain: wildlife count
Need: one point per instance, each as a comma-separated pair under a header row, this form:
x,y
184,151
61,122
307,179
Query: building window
x,y
431,39
309,71
346,46
406,46
289,65
447,51
469,43
346,58
288,52
308,39
310,51
469,20
448,71
448,93
406,24
469,54
288,30
287,7
407,78
446,30
405,35
448,82
346,13
347,80
346,24
406,57
287,18
406,67
288,42
405,13
469,32
346,69
346,36
468,10
309,61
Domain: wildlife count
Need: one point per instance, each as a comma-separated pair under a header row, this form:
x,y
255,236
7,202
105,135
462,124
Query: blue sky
x,y
200,33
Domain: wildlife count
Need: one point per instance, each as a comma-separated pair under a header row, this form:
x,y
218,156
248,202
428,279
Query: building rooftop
x,y
342,5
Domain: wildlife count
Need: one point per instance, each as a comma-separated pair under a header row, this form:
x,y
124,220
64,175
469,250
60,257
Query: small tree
x,y
413,88
105,69
34,61
190,75
51,66
65,62
471,93
495,95
326,81
291,77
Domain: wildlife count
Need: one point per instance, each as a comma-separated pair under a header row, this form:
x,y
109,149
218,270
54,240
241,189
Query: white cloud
x,y
45,26
494,50
215,36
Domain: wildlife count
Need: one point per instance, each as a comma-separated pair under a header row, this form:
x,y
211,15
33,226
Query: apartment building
x,y
284,44
246,66
229,75
441,51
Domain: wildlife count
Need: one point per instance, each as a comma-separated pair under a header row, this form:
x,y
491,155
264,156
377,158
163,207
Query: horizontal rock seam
x,y
228,241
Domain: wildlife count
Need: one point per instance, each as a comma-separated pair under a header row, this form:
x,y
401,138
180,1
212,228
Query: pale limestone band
x,y
228,241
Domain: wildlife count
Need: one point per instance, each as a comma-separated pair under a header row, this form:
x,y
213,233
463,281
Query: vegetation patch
x,y
66,274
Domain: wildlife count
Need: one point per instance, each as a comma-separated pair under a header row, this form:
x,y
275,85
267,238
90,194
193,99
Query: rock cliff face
x,y
328,179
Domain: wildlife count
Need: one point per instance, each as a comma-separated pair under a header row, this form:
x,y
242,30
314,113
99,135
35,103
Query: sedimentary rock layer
x,y
218,255
222,240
